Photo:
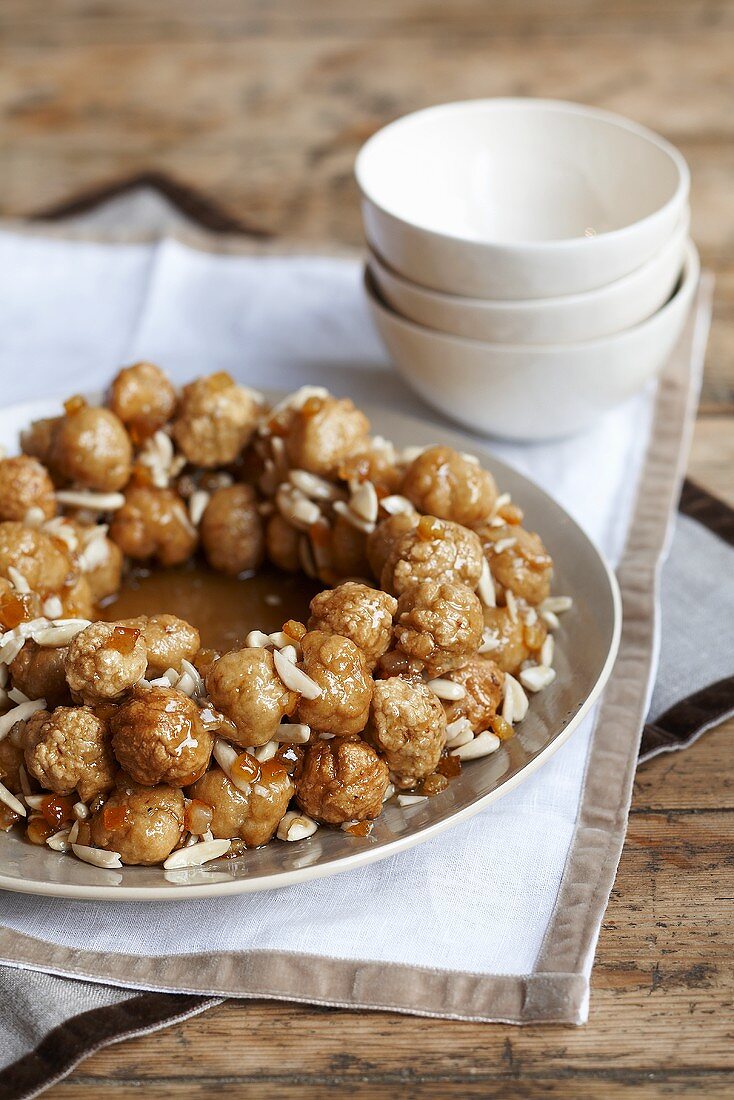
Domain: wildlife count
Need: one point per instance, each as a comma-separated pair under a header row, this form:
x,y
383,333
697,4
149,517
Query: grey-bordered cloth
x,y
49,1023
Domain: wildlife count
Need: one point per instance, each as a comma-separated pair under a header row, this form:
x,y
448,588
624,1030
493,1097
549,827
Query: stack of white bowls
x,y
529,261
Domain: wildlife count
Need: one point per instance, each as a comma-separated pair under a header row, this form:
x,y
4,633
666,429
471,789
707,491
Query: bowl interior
x,y
518,171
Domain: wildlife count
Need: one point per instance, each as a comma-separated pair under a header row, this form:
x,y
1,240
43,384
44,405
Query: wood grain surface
x,y
262,106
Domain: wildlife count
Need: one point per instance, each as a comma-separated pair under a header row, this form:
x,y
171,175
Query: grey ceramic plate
x,y
586,646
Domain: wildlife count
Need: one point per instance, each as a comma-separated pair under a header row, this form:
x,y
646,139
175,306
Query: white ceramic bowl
x,y
533,393
518,198
612,308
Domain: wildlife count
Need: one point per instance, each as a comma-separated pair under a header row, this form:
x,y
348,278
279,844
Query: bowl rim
x,y
516,305
690,273
531,103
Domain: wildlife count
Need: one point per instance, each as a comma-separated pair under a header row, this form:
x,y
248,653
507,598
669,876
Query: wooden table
x,y
263,105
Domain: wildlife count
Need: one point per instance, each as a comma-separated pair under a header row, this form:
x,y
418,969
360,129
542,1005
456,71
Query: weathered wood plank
x,y
242,115
661,982
712,453
645,1085
28,22
681,781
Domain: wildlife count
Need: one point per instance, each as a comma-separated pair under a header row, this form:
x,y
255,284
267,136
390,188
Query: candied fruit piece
x,y
450,766
13,610
511,514
8,818
58,809
273,770
123,639
114,817
502,728
220,380
246,768
294,629
434,784
74,404
429,528
38,830
311,406
289,756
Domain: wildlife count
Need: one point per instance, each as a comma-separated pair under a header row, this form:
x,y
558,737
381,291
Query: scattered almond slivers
x,y
197,854
295,826
294,678
482,745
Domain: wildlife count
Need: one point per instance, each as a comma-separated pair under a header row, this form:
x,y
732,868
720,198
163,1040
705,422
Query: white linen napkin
x,y
477,899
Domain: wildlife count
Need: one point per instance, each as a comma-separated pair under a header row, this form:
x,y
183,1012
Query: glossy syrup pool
x,y
224,609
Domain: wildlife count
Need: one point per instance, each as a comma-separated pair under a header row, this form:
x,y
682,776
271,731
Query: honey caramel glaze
x,y
224,609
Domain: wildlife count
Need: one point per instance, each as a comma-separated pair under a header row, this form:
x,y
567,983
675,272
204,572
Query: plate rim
x,y
363,856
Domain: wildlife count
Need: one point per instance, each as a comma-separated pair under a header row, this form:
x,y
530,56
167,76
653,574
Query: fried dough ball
x,y
154,523
76,599
37,556
408,727
348,548
522,564
438,623
11,758
375,464
228,803
516,640
269,799
105,575
158,737
245,687
168,639
215,420
385,536
143,398
395,663
436,549
355,611
91,448
144,824
483,680
232,531
39,672
38,438
323,433
341,671
104,661
24,484
341,780
69,750
253,817
281,543
441,482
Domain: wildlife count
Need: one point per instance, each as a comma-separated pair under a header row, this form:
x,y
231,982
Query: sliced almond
x,y
537,677
482,745
295,678
197,854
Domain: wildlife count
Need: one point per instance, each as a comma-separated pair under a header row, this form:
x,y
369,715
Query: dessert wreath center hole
x,y
224,609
